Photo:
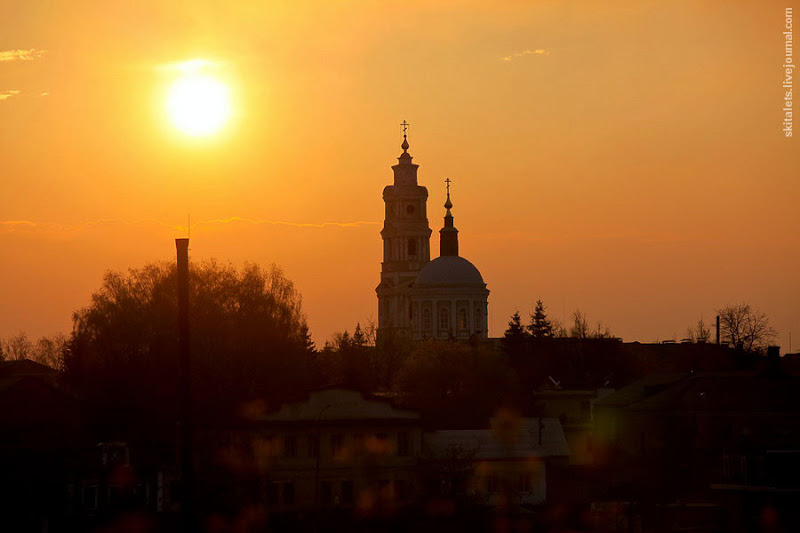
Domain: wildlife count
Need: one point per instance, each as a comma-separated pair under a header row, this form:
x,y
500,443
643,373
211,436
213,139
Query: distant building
x,y
724,443
419,298
336,449
575,411
507,463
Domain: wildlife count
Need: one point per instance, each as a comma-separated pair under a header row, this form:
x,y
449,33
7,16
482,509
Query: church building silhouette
x,y
418,298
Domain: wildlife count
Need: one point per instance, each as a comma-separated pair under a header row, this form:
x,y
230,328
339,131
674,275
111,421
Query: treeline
x,y
251,351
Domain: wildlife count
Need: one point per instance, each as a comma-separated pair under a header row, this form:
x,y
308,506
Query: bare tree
x,y
602,332
580,325
745,325
699,333
17,347
46,350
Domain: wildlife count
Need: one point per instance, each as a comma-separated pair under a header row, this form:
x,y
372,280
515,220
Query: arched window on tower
x,y
478,321
461,319
444,319
412,247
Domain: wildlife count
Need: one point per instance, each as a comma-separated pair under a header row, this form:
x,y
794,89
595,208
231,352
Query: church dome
x,y
449,270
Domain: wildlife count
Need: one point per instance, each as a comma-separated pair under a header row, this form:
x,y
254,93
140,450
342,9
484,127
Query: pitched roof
x,y
519,442
338,404
640,389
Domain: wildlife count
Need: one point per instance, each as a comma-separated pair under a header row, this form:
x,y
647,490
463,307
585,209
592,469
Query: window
x,y
401,489
491,484
412,247
336,445
426,319
325,492
90,496
288,493
478,321
462,318
290,446
114,495
347,492
524,482
444,319
358,443
313,446
273,493
410,209
402,444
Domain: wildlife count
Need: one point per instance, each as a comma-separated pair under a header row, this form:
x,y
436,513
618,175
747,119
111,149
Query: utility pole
x,y
187,467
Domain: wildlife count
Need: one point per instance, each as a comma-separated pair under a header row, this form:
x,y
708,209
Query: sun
x,y
198,104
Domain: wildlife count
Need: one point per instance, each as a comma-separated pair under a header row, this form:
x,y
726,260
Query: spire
x,y
448,235
405,172
405,157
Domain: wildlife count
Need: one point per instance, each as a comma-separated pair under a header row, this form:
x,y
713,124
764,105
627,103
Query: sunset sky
x,y
624,158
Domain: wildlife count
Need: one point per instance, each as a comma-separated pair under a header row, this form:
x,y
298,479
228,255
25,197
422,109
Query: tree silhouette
x,y
580,325
515,335
540,327
249,340
741,324
454,383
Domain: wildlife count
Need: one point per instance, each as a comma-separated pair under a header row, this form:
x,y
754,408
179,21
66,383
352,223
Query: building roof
x,y
25,367
640,389
338,404
518,440
727,392
450,270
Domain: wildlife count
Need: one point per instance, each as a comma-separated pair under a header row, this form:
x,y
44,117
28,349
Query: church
x,y
418,298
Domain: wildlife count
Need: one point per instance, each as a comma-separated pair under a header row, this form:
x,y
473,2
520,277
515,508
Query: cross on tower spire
x,y
404,146
448,204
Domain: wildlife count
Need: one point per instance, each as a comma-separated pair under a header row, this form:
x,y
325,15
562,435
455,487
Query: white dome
x,y
449,270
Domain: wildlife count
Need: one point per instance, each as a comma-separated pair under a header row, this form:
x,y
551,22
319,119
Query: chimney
x,y
773,360
184,359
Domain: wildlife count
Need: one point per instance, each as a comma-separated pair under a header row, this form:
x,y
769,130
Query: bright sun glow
x,y
198,104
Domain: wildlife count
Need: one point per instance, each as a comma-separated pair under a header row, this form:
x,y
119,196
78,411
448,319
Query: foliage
x,y
455,383
249,339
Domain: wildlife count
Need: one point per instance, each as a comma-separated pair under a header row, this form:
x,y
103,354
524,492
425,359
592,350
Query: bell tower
x,y
406,243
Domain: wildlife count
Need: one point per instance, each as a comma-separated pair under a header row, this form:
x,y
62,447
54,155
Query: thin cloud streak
x,y
537,52
7,56
5,95
30,226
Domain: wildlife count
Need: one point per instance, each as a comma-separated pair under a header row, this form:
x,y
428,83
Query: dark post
x,y
187,471
717,329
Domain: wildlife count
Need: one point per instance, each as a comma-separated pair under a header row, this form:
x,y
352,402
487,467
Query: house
x,y
506,465
336,449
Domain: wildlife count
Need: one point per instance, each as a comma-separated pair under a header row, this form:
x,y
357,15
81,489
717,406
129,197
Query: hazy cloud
x,y
20,55
537,52
5,95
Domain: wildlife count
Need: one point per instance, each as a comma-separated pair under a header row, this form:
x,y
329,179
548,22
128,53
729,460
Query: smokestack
x,y
773,360
187,471
717,329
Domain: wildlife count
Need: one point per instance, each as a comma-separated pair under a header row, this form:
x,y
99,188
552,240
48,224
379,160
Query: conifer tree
x,y
515,336
540,327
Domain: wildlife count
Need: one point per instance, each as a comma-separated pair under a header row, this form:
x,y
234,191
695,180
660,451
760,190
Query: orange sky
x,y
633,167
